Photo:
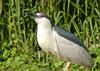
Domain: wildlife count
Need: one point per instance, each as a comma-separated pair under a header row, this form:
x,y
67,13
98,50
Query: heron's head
x,y
40,18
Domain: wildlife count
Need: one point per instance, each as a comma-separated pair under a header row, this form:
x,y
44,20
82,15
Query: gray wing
x,y
68,36
70,48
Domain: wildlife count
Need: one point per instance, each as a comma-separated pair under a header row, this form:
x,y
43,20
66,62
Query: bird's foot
x,y
67,66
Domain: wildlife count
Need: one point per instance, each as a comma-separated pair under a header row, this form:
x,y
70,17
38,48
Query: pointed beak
x,y
30,14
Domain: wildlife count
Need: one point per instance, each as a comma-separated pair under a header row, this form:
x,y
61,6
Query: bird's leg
x,y
67,66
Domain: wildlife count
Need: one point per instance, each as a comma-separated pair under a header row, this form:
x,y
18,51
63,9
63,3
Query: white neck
x,y
44,25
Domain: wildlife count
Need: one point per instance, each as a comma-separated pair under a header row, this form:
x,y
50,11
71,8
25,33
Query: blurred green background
x,y
19,50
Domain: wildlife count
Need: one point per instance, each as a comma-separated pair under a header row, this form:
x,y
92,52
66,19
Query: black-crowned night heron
x,y
61,43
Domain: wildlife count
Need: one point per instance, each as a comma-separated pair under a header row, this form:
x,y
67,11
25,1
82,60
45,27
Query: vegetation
x,y
19,50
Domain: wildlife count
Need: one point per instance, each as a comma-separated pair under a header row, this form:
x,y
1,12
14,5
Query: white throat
x,y
45,34
43,24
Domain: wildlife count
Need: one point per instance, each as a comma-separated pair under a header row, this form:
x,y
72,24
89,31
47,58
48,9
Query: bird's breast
x,y
45,40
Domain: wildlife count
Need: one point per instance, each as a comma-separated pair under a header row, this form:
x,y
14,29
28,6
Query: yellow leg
x,y
67,66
